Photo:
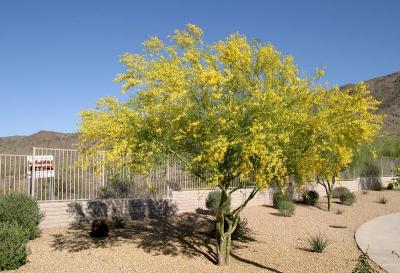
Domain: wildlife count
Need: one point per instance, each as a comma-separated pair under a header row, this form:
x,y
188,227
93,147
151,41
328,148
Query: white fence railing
x,y
61,174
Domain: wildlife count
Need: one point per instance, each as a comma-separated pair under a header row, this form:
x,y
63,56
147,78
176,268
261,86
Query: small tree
x,y
344,121
232,110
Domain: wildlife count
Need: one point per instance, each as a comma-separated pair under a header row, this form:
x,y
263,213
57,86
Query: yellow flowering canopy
x,y
346,119
234,108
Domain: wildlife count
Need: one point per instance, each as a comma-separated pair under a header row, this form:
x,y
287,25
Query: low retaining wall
x,y
190,200
64,213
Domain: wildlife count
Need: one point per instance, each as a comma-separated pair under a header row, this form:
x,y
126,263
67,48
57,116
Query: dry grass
x,y
181,244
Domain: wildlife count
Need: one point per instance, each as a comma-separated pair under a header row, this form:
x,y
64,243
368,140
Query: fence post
x,y
104,168
33,172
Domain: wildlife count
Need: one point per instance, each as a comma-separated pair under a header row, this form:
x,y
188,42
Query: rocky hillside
x,y
43,139
386,89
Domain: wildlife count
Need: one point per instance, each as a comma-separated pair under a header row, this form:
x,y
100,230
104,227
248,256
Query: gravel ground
x,y
181,244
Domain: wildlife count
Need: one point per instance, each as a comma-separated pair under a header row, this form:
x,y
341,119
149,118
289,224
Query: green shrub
x,y
348,198
382,200
13,249
212,202
337,192
99,228
370,169
286,208
115,188
242,231
118,222
280,196
311,197
390,186
376,185
22,209
317,243
363,265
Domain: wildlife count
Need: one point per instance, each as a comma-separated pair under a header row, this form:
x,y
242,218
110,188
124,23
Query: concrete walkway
x,y
381,237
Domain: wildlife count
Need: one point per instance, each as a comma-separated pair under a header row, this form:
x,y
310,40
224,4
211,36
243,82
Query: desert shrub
x,y
118,222
242,231
337,192
364,192
311,197
99,228
212,202
317,243
286,208
369,169
115,188
382,200
363,265
376,185
22,209
13,249
390,186
348,198
280,196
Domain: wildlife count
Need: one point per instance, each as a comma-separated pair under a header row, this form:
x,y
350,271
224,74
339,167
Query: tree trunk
x,y
329,195
223,237
223,243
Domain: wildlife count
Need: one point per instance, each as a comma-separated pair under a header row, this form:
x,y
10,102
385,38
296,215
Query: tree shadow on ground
x,y
188,234
243,260
185,234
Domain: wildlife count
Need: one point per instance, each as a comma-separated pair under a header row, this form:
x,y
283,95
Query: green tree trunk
x,y
329,195
224,241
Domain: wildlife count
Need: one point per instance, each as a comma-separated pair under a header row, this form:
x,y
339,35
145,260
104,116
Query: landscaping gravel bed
x,y
183,243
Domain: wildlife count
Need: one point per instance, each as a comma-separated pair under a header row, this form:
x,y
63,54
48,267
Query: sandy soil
x,y
181,244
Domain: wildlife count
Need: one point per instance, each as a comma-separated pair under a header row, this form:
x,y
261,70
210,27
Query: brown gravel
x,y
180,244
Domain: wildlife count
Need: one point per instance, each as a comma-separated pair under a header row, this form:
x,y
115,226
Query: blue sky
x,y
58,57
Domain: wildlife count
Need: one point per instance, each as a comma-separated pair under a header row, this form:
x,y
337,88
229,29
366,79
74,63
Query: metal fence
x,y
62,174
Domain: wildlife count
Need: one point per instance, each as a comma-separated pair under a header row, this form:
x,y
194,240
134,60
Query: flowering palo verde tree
x,y
231,110
344,120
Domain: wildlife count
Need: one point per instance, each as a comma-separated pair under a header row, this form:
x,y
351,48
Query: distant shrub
x,y
348,198
382,200
317,243
363,265
390,186
364,192
286,208
22,209
13,249
369,169
280,196
337,192
99,228
311,197
376,185
212,202
115,188
118,222
242,231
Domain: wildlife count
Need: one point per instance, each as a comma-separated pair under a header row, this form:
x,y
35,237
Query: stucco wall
x,y
64,213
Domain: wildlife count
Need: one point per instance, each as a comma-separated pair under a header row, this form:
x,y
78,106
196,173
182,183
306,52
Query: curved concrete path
x,y
381,237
